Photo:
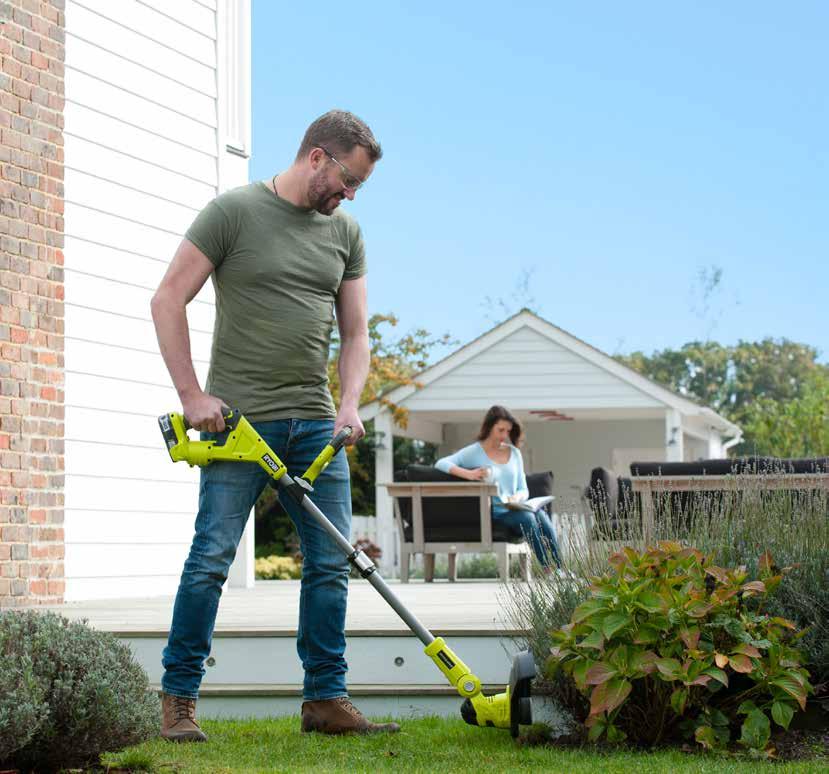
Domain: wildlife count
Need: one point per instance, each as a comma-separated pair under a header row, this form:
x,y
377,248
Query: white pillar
x,y
241,574
714,445
384,508
674,451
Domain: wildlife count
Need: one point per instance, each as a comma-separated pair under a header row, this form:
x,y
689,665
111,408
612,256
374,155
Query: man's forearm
x,y
353,369
174,342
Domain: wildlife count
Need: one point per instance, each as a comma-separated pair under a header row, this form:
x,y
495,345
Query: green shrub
x,y
736,527
22,706
278,568
667,645
97,695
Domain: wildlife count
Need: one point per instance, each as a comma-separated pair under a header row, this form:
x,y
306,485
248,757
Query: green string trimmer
x,y
241,443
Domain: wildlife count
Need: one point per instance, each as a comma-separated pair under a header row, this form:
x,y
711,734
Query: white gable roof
x,y
530,364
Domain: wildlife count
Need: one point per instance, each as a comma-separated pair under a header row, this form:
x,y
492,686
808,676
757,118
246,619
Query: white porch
x,y
579,407
253,668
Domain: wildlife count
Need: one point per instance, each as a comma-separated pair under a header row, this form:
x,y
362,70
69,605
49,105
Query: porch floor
x,y
466,607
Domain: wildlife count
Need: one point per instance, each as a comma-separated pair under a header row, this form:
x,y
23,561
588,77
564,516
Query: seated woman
x,y
495,457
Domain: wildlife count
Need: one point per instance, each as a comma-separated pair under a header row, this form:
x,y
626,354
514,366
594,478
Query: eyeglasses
x,y
349,180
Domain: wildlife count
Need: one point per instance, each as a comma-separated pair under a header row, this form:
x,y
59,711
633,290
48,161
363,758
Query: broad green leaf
x,y
593,640
580,672
791,687
718,718
746,707
718,675
614,622
698,609
631,554
796,676
706,737
588,608
754,586
615,734
618,690
651,602
607,696
699,680
756,730
678,699
690,637
747,650
669,667
782,713
643,661
597,728
741,663
734,628
645,635
717,572
599,673
783,622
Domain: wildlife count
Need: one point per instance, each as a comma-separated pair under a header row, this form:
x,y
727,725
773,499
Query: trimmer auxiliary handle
x,y
239,442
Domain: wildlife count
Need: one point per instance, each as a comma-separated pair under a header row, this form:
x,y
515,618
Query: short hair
x,y
495,414
339,131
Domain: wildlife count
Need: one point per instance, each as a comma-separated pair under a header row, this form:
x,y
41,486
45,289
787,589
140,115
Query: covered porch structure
x,y
580,409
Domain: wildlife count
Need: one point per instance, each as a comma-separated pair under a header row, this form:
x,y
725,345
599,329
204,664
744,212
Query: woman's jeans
x,y
227,492
536,527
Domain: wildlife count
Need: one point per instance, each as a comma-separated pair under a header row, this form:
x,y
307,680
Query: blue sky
x,y
616,153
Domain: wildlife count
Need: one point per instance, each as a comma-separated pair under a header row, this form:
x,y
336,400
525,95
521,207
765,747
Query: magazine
x,y
533,504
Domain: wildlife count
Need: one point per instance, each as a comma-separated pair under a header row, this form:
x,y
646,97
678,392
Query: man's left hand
x,y
349,416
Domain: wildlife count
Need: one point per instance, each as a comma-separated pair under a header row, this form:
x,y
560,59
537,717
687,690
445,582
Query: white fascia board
x,y
567,340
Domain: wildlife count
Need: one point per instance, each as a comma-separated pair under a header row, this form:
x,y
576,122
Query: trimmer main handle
x,y
231,417
341,438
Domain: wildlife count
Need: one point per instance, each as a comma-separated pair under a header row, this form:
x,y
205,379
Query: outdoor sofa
x,y
615,501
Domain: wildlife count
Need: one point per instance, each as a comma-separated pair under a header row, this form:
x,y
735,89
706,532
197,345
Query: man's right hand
x,y
205,412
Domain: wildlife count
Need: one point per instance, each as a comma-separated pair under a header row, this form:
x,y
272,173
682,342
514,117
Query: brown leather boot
x,y
178,719
339,716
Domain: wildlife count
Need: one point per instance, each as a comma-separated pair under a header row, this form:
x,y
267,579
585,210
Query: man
x,y
281,256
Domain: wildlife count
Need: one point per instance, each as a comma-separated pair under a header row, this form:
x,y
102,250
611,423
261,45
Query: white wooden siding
x,y
536,373
141,159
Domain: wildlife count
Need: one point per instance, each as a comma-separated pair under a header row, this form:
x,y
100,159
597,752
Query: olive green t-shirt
x,y
278,271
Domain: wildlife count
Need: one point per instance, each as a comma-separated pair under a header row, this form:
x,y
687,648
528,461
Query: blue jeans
x,y
227,492
536,527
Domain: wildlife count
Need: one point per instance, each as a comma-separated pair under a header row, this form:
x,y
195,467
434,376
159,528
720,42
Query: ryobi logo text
x,y
270,463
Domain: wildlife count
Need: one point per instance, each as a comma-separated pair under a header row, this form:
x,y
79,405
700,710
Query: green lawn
x,y
427,745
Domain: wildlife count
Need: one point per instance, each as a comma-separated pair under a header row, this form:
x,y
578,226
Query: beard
x,y
322,197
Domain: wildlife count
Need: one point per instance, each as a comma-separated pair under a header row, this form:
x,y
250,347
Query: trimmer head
x,y
508,709
520,686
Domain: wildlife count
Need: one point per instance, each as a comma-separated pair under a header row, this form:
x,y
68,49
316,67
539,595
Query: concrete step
x,y
259,673
263,658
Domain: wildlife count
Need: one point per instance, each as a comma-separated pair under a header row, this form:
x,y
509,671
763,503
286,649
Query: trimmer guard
x,y
520,686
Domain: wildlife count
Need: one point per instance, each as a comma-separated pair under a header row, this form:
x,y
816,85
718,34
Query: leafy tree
x,y
742,382
795,428
394,362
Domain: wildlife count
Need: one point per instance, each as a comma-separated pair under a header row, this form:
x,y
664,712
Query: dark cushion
x,y
540,484
457,519
730,466
611,499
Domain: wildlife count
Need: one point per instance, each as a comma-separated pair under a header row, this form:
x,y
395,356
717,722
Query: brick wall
x,y
31,301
